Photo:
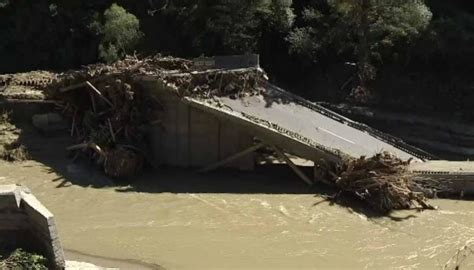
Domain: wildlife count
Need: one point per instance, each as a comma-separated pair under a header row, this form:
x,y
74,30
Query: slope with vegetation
x,y
389,53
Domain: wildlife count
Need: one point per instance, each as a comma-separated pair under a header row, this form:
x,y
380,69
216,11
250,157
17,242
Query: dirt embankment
x,y
10,147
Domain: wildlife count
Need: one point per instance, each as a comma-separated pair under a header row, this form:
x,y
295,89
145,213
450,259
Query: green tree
x,y
362,31
231,26
120,33
4,3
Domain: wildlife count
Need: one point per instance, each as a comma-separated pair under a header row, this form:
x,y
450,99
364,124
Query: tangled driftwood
x,y
382,181
211,83
110,109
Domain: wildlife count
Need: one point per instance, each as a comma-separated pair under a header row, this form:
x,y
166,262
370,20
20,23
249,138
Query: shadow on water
x,y
275,179
49,149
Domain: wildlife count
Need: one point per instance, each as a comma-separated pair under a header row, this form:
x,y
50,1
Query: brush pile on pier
x,y
215,83
382,181
129,67
111,110
174,72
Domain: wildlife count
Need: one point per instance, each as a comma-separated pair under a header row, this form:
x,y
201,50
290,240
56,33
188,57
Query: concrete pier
x,y
26,223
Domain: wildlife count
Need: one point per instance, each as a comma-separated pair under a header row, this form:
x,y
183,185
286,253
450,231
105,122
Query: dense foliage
x,y
323,49
120,33
20,259
364,32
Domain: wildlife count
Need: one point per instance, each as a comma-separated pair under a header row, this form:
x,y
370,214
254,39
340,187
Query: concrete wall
x,y
26,223
189,137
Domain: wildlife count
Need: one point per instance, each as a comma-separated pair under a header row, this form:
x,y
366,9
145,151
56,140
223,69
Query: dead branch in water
x,y
455,262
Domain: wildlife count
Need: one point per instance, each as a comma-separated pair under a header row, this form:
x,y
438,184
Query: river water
x,y
179,220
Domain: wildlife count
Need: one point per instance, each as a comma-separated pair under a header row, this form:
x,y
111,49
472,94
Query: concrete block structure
x,y
191,138
208,132
26,223
195,132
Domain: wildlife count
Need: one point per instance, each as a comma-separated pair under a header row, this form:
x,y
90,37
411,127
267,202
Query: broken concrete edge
x,y
317,151
10,192
40,222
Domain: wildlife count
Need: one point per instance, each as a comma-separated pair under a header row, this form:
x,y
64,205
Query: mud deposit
x,y
179,220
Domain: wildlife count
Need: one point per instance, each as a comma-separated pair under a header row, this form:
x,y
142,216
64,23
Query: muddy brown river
x,y
180,220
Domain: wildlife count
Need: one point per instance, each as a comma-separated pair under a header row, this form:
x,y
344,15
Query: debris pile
x,y
32,79
110,110
214,83
129,67
382,181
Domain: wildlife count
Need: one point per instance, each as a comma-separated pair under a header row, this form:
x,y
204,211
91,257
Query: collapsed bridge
x,y
214,115
290,124
287,120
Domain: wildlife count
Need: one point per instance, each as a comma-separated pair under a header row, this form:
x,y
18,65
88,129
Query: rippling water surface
x,y
162,220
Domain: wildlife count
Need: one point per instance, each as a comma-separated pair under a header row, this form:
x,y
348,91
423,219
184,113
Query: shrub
x,y
21,259
121,33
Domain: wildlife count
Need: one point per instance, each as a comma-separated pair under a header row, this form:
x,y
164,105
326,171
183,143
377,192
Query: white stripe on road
x,y
342,138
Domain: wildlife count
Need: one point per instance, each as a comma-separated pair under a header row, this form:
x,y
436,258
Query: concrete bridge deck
x,y
312,132
443,167
288,120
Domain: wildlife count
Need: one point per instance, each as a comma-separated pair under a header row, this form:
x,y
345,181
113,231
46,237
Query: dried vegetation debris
x,y
128,67
217,83
39,79
383,181
110,112
110,109
30,85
